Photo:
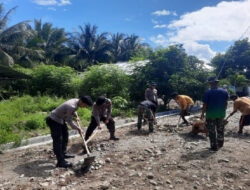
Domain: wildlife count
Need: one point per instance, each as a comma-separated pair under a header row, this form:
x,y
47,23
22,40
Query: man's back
x,y
216,101
185,99
243,105
151,94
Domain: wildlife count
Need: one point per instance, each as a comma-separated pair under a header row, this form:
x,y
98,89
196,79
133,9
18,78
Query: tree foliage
x,y
172,70
89,48
236,61
107,80
50,40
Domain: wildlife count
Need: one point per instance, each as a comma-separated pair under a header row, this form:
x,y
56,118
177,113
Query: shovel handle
x,y
92,136
178,122
84,142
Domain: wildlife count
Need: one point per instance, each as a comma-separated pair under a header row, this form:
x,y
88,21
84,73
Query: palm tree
x,y
130,45
12,47
117,41
50,40
88,47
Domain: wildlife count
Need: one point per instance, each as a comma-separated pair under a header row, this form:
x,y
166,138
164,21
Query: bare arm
x,y
204,109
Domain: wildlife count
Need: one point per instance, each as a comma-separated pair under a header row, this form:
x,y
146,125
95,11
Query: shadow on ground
x,y
38,168
189,137
234,134
198,155
143,132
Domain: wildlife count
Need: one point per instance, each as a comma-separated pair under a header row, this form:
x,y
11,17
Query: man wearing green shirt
x,y
215,105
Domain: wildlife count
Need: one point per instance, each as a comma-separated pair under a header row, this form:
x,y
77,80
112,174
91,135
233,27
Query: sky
x,y
204,27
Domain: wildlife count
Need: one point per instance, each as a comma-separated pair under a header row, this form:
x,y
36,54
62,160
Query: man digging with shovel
x,y
59,130
243,105
146,108
102,112
186,103
151,95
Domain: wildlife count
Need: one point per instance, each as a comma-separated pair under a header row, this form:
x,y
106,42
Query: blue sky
x,y
205,27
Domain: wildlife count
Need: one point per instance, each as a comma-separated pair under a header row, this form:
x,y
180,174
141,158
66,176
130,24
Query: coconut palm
x,y
117,41
12,47
88,47
50,40
130,45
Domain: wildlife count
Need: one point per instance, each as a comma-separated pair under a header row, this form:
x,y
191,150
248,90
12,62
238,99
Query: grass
x,y
24,117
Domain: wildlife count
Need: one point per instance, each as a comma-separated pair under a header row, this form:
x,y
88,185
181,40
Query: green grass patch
x,y
24,117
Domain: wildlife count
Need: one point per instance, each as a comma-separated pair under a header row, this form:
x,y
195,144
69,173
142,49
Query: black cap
x,y
87,100
174,94
212,79
100,100
233,97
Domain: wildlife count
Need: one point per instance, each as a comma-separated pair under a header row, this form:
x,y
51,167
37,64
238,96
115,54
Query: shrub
x,y
107,80
119,102
52,80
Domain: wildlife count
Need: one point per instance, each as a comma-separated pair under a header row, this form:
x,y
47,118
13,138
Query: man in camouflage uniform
x,y
146,110
214,105
151,95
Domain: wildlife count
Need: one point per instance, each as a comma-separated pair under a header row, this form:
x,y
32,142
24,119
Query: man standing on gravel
x,y
186,103
146,108
151,95
102,112
59,130
243,105
214,105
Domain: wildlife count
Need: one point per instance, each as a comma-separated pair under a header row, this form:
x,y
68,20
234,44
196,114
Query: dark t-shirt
x,y
216,100
149,105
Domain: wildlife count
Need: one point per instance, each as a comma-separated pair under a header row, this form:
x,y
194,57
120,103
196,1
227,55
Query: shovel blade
x,y
88,161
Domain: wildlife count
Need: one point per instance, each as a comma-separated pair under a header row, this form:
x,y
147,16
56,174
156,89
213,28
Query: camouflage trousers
x,y
144,112
216,132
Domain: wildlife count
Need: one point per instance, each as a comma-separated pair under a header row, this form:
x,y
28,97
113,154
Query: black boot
x,y
113,137
214,148
220,144
64,164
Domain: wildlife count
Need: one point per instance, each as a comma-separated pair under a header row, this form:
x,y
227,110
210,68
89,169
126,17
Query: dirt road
x,y
166,159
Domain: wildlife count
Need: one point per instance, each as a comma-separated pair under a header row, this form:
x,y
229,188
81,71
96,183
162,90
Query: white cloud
x,y
64,2
174,13
160,40
154,21
201,51
224,22
164,13
160,26
52,2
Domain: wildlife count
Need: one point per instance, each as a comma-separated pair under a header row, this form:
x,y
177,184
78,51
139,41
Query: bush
x,y
107,80
52,80
119,102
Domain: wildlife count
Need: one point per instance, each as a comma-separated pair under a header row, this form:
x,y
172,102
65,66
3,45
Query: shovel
x,y
177,126
93,135
90,159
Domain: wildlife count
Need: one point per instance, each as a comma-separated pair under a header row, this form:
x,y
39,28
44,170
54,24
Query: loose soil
x,y
167,159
